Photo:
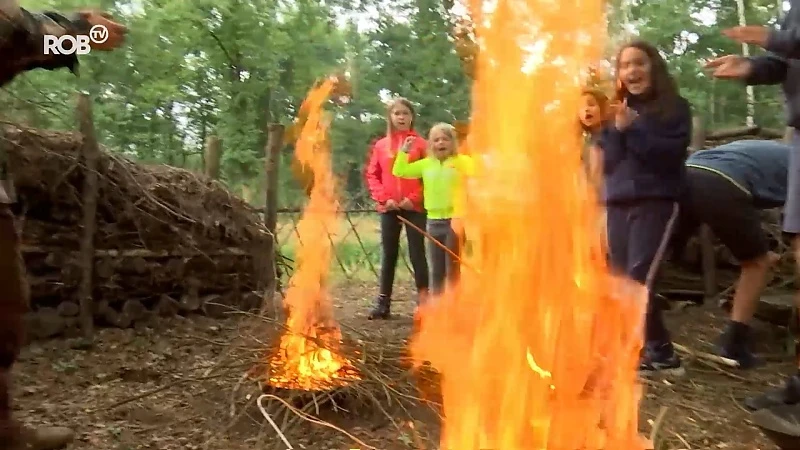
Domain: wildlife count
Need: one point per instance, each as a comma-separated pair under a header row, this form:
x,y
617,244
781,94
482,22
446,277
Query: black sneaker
x,y
382,309
661,362
739,357
734,347
788,394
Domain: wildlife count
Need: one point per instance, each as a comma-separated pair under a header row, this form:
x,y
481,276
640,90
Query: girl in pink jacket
x,y
395,198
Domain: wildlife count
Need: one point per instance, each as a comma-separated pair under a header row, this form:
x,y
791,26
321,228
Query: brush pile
x,y
167,239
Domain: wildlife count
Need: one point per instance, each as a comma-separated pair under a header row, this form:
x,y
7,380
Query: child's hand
x,y
406,204
624,116
407,144
391,205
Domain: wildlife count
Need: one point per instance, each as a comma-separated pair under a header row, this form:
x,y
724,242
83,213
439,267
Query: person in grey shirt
x,y
727,186
22,46
780,66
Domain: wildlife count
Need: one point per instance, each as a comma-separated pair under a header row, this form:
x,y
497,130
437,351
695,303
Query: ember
x,y
308,357
538,348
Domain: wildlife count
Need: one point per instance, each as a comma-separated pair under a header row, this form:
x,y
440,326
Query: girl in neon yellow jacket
x,y
442,172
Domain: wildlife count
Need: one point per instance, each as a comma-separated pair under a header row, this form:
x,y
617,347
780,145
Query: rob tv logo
x,y
80,44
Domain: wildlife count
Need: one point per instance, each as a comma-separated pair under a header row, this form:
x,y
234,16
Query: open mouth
x,y
588,117
634,83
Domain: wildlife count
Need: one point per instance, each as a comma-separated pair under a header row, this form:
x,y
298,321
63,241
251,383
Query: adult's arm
x,y
22,37
767,69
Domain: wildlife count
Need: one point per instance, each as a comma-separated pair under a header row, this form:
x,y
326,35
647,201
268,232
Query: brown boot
x,y
42,438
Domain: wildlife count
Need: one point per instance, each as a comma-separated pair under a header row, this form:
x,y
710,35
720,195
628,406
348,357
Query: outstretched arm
x,y
767,69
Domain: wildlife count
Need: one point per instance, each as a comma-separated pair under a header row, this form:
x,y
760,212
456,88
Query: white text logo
x,y
80,44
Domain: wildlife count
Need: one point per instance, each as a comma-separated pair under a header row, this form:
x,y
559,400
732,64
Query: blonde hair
x,y
448,130
391,106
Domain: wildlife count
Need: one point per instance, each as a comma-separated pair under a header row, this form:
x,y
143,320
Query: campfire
x,y
538,347
308,356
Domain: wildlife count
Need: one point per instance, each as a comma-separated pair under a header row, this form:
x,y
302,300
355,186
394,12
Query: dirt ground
x,y
178,384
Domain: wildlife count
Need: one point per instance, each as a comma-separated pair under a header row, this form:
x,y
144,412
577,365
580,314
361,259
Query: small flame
x,y
308,357
537,349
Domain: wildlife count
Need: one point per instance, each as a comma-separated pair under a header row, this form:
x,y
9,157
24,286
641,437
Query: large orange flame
x,y
538,347
307,358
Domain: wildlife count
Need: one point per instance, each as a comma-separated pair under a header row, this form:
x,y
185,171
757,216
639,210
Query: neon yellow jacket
x,y
442,182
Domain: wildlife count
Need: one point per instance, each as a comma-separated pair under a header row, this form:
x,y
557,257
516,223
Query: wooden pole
x,y
91,153
709,259
213,157
699,133
271,164
788,135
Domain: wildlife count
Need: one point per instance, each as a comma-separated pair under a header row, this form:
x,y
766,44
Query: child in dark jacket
x,y
643,152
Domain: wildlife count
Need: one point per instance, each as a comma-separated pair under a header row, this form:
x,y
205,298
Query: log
x,y
135,310
776,309
745,131
68,309
167,306
190,301
45,323
91,154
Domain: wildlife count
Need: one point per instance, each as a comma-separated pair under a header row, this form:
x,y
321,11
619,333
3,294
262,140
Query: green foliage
x,y
229,67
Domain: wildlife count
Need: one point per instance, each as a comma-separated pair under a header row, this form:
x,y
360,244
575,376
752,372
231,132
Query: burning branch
x,y
307,358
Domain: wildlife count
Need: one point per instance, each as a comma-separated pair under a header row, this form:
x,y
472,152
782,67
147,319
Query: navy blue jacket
x,y
782,66
646,160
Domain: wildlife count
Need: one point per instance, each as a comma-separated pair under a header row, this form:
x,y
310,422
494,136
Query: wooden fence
x,y
356,244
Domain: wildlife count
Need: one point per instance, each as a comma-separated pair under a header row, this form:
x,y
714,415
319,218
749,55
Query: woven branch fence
x,y
356,244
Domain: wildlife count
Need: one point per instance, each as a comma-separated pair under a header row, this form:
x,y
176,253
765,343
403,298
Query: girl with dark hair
x,y
397,197
644,147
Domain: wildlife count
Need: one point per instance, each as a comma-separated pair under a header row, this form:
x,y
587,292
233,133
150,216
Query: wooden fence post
x,y
788,135
91,153
271,164
708,257
213,157
699,133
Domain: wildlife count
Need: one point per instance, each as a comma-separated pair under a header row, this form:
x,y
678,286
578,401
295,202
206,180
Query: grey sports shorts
x,y
791,211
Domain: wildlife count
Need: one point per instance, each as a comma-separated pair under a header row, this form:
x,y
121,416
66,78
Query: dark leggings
x,y
444,267
390,248
638,234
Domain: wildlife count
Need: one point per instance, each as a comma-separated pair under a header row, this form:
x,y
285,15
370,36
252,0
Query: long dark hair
x,y
663,97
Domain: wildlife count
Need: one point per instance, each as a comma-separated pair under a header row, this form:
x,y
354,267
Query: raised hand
x,y
115,31
731,67
624,115
756,35
407,144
